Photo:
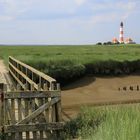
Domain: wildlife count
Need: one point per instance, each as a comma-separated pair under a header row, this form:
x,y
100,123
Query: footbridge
x,y
30,104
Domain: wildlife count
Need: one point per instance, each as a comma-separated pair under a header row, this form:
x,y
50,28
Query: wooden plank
x,y
13,119
22,107
45,87
8,110
41,117
6,115
19,110
30,103
38,111
34,135
26,114
33,121
46,112
19,136
58,111
44,76
53,106
31,94
19,116
1,109
58,107
33,127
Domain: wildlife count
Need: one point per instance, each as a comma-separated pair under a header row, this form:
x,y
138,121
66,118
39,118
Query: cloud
x,y
40,8
80,2
113,10
6,18
64,9
13,8
129,9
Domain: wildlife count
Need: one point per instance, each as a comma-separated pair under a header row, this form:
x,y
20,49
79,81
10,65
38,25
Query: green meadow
x,y
66,63
80,54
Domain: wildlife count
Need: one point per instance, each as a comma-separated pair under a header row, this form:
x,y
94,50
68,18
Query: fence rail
x,y
25,74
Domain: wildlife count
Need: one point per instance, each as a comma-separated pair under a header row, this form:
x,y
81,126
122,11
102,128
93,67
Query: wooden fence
x,y
32,110
24,74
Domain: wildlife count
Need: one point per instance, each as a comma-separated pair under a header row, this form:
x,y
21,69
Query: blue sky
x,y
67,21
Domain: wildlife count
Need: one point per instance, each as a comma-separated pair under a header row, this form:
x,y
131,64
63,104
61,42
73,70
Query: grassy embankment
x,y
66,63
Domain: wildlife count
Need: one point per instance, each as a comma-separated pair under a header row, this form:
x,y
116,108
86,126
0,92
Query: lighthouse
x,y
121,37
121,33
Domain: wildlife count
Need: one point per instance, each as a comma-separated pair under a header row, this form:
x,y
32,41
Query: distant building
x,y
129,41
121,37
115,41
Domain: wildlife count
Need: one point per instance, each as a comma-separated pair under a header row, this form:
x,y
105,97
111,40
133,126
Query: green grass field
x,y
110,123
80,54
68,63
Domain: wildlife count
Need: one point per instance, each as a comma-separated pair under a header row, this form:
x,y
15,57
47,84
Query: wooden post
x,y
32,87
58,111
26,74
17,66
58,107
1,111
58,86
40,81
39,87
50,87
50,106
45,87
22,70
53,106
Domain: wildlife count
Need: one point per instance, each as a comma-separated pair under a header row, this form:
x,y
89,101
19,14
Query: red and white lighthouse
x,y
121,33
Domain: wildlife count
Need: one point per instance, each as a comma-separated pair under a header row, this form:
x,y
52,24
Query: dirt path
x,y
3,72
91,91
4,75
3,68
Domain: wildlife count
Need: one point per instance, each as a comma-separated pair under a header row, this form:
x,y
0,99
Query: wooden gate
x,y
31,109
30,114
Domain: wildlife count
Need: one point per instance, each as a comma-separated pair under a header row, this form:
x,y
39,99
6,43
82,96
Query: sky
x,y
67,21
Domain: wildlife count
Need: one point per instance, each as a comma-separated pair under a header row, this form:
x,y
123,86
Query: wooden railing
x,y
24,74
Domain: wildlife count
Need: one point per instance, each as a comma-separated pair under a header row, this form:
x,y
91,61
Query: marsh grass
x,y
120,122
67,63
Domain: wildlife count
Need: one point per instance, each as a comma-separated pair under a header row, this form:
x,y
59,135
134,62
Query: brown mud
x,y
99,91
